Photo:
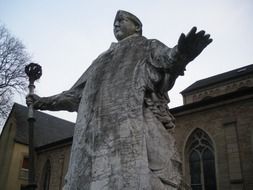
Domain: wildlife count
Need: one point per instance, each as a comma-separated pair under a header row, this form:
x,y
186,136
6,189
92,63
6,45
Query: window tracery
x,y
201,161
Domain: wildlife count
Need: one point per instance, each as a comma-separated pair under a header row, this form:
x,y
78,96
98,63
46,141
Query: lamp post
x,y
34,72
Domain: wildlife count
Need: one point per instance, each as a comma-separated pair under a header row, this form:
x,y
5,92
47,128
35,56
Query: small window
x,y
25,164
24,168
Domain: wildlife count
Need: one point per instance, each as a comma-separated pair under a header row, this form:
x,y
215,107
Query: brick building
x,y
214,136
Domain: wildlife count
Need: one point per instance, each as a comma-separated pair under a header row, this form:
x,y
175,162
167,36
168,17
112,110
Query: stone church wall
x,y
230,127
58,157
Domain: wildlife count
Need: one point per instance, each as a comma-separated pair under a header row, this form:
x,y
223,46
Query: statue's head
x,y
126,24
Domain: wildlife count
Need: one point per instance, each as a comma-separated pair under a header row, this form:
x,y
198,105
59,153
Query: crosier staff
x,y
34,72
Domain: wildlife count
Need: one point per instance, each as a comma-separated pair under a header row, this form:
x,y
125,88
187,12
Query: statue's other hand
x,y
33,99
192,44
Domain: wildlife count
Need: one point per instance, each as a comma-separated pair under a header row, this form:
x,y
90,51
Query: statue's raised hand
x,y
192,44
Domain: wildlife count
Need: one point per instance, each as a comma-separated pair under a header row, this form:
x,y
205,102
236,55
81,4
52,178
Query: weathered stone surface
x,y
119,143
121,140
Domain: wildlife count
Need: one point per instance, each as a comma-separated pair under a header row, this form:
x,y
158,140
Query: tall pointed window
x,y
200,157
46,175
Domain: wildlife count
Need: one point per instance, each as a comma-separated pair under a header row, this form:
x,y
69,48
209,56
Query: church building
x,y
214,131
214,135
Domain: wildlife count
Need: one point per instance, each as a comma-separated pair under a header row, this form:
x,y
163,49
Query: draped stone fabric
x,y
123,136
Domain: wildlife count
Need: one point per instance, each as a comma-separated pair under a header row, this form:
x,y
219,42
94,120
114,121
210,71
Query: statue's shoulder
x,y
160,54
154,44
94,65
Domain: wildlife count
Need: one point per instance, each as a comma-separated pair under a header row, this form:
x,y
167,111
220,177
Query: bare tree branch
x,y
13,59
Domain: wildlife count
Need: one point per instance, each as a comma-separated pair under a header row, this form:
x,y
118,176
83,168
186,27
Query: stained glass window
x,y
201,161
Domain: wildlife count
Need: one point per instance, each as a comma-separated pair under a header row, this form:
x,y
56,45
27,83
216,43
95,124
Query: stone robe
x,y
123,137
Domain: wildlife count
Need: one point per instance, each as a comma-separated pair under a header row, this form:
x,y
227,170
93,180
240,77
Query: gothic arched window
x,y
200,156
46,175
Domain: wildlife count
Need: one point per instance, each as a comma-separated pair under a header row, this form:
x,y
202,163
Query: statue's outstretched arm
x,y
188,48
172,61
67,100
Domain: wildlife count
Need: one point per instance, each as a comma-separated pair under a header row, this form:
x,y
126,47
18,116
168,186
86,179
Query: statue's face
x,y
124,27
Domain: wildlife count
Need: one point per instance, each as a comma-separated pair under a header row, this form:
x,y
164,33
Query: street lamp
x,y
34,72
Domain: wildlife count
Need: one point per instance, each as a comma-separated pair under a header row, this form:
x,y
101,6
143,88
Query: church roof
x,y
243,71
245,93
47,128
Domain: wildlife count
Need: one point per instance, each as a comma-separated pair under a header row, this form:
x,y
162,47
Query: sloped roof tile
x,y
47,128
243,71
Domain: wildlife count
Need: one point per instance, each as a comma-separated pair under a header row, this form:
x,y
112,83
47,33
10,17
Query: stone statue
x,y
123,136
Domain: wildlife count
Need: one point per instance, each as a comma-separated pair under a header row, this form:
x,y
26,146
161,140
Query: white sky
x,y
64,36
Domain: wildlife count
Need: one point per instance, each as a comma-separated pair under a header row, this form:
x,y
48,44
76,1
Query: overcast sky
x,y
64,36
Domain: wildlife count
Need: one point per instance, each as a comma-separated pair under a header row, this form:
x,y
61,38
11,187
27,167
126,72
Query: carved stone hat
x,y
125,14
